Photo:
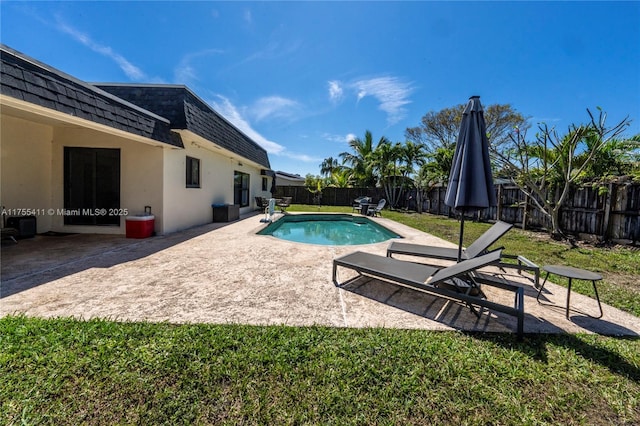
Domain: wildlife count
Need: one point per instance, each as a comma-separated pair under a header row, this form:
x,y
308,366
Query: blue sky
x,y
301,78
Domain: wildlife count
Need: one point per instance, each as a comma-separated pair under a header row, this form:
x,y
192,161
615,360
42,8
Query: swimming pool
x,y
328,229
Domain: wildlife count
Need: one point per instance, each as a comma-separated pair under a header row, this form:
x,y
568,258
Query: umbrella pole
x,y
461,233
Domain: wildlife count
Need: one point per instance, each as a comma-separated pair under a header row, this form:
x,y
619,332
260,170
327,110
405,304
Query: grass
x,y
66,372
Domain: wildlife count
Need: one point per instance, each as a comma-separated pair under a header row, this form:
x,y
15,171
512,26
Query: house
x,y
288,179
81,157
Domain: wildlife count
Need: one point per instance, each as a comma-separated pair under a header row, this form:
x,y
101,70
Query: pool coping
x,y
278,222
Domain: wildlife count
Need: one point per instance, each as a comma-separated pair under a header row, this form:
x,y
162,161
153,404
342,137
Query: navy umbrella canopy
x,y
470,186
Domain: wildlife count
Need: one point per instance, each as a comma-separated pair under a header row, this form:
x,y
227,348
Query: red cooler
x,y
140,226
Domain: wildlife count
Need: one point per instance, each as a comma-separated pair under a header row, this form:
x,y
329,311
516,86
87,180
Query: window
x,y
265,183
193,172
241,189
91,186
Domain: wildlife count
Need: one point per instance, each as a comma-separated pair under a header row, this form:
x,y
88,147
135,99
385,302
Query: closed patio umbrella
x,y
470,185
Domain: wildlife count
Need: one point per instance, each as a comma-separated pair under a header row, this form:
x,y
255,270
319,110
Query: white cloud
x,y
335,91
130,70
302,157
391,92
339,138
545,120
273,107
231,113
274,50
185,72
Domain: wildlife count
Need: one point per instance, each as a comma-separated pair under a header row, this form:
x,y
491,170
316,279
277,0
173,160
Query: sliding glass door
x,y
91,186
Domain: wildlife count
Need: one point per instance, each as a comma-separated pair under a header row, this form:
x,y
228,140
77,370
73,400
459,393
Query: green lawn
x,y
69,372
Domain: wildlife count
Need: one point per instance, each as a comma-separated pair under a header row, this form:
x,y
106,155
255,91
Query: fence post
x,y
607,212
499,206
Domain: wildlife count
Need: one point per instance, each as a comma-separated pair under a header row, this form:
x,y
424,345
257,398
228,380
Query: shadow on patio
x,y
48,257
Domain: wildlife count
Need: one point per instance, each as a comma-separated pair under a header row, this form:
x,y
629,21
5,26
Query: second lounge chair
x,y
478,247
453,282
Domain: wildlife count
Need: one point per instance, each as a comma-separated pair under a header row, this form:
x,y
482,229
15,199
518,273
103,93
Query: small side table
x,y
572,274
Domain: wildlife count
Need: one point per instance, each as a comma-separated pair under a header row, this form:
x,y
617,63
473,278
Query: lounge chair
x,y
477,248
452,282
377,210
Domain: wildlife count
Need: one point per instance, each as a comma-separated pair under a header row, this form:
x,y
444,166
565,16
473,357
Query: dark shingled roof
x,y
289,175
24,78
187,111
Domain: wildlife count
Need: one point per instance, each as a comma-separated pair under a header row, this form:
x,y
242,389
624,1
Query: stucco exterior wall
x,y
140,177
32,172
187,207
25,168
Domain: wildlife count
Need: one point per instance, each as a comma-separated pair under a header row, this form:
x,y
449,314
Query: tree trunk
x,y
556,232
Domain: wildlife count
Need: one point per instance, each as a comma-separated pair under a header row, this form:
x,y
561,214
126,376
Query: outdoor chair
x,y
262,203
377,210
9,234
453,282
358,202
283,203
477,248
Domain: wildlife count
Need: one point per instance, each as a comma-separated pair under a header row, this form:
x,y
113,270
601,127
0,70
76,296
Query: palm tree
x,y
414,154
328,166
616,157
386,161
340,178
360,160
438,165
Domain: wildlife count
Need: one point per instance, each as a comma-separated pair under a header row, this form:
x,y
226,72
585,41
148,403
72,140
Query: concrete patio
x,y
224,273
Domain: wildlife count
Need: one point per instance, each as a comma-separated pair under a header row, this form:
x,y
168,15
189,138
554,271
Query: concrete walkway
x,y
224,273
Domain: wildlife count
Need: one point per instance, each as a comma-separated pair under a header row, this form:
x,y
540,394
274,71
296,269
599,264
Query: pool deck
x,y
224,273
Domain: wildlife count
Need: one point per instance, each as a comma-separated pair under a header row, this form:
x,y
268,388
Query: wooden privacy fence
x,y
612,214
330,196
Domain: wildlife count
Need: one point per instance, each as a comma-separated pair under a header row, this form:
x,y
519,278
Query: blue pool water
x,y
328,229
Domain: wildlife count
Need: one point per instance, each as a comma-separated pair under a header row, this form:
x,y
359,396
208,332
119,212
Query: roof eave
x,y
27,110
